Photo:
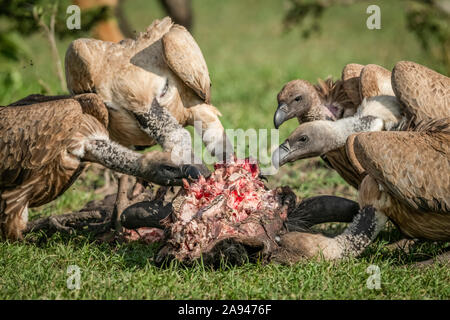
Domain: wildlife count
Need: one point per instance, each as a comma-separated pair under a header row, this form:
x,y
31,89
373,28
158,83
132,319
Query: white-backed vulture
x,y
45,142
316,138
332,101
164,64
326,100
408,172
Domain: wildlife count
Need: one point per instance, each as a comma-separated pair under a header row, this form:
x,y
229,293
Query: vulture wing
x,y
424,92
375,81
92,104
33,135
350,77
88,61
413,166
84,64
185,58
343,165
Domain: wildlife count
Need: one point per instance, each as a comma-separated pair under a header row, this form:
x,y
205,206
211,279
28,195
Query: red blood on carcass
x,y
145,234
220,207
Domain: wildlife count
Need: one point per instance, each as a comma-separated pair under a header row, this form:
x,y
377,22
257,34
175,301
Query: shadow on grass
x,y
134,254
139,255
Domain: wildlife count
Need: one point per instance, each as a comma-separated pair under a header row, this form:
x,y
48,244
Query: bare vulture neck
x,y
318,110
338,131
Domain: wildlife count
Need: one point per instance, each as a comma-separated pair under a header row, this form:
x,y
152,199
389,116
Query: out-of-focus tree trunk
x,y
117,27
108,29
124,24
180,11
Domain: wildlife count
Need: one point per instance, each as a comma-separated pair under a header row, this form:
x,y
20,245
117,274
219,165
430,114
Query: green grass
x,y
126,272
250,57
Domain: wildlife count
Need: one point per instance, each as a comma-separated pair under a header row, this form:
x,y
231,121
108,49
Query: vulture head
x,y
294,99
325,100
318,137
310,139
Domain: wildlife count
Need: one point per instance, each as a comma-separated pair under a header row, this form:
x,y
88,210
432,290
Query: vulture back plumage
x,y
413,166
164,63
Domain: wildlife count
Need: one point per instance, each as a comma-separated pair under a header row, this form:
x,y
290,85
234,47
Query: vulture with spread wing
x,y
163,64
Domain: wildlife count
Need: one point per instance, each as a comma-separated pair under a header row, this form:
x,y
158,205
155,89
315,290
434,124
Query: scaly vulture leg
x,y
161,126
153,166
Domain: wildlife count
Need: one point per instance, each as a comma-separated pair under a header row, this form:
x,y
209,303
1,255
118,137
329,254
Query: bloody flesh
x,y
232,203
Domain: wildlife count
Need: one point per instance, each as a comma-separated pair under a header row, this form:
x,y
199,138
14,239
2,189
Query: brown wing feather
x,y
413,166
342,164
332,92
350,76
83,64
375,81
424,92
153,33
92,104
33,135
37,98
185,58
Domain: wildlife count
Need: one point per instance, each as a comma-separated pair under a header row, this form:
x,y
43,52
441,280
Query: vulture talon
x,y
193,172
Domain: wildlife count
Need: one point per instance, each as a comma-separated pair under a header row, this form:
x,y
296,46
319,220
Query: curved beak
x,y
280,156
280,115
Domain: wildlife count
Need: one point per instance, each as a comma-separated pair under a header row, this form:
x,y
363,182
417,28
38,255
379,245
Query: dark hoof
x,y
145,214
321,209
193,172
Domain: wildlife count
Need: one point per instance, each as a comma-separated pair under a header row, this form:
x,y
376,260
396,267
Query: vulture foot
x,y
57,226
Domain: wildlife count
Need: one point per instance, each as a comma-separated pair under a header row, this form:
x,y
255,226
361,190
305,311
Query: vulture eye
x,y
299,98
164,91
303,139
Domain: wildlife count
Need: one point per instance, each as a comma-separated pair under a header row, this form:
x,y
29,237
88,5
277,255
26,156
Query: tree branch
x,y
50,34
